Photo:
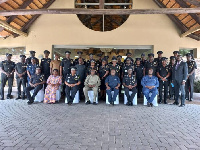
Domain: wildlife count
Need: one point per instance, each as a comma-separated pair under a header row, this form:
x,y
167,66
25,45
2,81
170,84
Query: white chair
x,y
91,96
155,101
76,98
115,102
134,99
58,94
40,95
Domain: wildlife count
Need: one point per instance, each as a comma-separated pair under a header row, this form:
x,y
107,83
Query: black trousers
x,y
70,97
171,89
130,97
139,87
161,85
189,87
179,87
23,83
4,79
36,90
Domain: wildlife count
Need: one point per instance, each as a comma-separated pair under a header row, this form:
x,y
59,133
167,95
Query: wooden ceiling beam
x,y
193,2
99,11
190,31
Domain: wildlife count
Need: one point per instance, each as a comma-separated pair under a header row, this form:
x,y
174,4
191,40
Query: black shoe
x,y
69,103
148,104
187,99
23,97
94,103
130,104
160,102
2,98
165,103
191,99
18,98
8,97
88,102
171,98
151,104
127,103
183,105
112,103
30,102
175,103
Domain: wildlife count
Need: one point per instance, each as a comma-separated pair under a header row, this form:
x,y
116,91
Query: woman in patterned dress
x,y
54,81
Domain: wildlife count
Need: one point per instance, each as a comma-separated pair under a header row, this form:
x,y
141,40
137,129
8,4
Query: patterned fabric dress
x,y
50,91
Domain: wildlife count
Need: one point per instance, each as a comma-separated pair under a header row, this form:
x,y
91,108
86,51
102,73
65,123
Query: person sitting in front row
x,y
112,84
92,82
36,83
130,83
150,84
72,82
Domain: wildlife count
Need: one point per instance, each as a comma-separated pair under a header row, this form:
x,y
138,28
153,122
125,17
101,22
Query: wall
x,y
157,30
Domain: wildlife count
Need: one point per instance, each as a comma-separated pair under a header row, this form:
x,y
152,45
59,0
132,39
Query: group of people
x,y
142,76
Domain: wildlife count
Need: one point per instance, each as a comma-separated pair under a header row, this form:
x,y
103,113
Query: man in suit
x,y
179,77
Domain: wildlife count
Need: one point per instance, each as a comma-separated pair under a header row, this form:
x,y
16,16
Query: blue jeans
x,y
153,92
114,97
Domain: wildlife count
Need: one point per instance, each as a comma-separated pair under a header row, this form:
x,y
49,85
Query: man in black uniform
x,y
37,81
139,75
159,59
129,56
99,61
21,76
127,66
91,67
176,53
171,85
130,83
89,61
163,74
72,82
76,61
32,55
150,64
115,66
189,85
143,59
45,65
7,68
119,61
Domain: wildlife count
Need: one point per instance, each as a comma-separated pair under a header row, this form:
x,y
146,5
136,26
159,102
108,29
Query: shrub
x,y
197,86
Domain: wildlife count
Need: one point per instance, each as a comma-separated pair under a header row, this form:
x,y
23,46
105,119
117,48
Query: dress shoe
x,y
18,98
127,103
175,103
191,99
151,104
148,105
112,103
30,102
165,103
23,97
88,102
69,103
183,105
2,98
8,97
94,103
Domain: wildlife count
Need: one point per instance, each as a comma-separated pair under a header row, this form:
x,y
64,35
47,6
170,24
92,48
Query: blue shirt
x,y
31,69
112,81
150,81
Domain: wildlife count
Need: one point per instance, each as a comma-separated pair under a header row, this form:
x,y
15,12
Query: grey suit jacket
x,y
180,73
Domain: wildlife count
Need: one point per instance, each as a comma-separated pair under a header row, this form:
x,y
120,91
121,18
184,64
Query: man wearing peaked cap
x,y
189,85
21,76
143,59
127,66
76,61
92,67
129,56
171,85
115,66
158,60
32,55
99,61
31,69
139,74
163,73
150,64
7,68
45,66
89,61
36,83
176,53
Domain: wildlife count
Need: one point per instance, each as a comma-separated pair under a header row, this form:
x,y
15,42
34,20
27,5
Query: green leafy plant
x,y
197,86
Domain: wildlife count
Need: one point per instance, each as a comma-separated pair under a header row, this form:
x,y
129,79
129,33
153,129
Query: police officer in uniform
x,y
129,56
92,66
127,66
143,60
21,76
159,59
31,68
119,61
37,81
32,55
7,68
72,82
115,66
150,64
171,85
90,59
163,74
99,61
189,85
76,61
103,73
176,53
139,74
130,83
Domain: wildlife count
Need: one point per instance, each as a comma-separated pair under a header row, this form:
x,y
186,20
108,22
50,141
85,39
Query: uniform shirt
x,y
103,70
88,63
21,68
76,61
139,71
163,71
32,68
7,66
132,62
112,81
66,65
90,68
99,63
191,66
158,61
126,68
170,69
28,60
129,80
148,65
55,64
81,71
116,68
72,79
37,78
92,80
143,62
150,81
45,64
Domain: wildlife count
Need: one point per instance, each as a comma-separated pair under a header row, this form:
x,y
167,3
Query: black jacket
x,y
180,73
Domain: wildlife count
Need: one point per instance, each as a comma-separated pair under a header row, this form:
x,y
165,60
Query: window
x,y
103,22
